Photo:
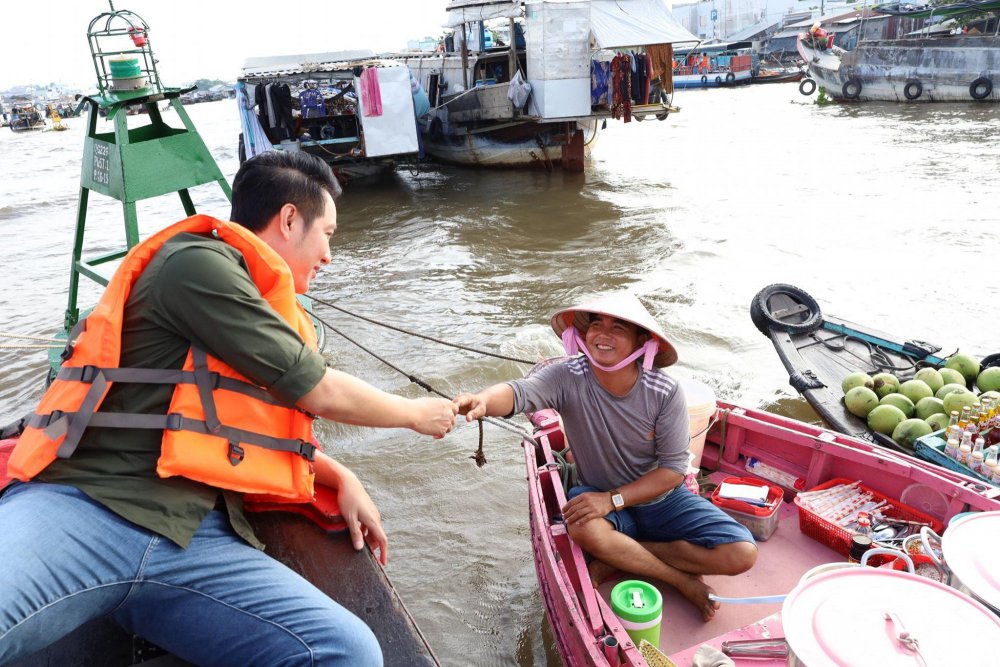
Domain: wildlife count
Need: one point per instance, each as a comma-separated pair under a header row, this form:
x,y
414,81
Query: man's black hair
x,y
270,180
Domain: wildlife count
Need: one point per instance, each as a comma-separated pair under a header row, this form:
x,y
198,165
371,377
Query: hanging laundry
x,y
371,95
600,77
255,141
311,101
638,77
621,87
662,56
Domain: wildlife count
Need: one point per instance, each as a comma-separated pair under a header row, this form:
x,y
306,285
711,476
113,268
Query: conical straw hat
x,y
623,307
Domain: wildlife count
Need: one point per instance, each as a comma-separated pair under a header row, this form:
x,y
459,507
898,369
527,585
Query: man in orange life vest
x,y
193,382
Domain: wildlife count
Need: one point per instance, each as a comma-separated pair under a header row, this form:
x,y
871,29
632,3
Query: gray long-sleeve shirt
x,y
615,439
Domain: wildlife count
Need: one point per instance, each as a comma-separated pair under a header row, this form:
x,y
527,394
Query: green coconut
x,y
951,376
928,406
937,422
957,400
856,379
989,379
949,388
900,401
860,401
964,364
931,376
885,384
915,390
992,395
885,418
907,432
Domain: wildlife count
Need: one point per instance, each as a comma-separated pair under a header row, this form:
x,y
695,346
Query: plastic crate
x,y
761,521
839,538
931,448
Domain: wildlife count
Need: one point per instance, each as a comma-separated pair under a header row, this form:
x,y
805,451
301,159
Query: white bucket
x,y
701,406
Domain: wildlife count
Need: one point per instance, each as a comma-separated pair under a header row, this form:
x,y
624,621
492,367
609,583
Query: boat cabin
x,y
351,109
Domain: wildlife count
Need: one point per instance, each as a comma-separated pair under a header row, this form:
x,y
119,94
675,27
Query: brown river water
x,y
889,215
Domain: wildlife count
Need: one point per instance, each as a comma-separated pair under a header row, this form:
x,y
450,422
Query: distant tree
x,y
205,84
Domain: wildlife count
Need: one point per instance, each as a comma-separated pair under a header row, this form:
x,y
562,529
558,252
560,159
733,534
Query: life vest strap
x,y
87,374
60,422
203,380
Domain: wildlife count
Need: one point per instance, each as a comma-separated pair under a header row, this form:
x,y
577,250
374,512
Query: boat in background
x,y
529,83
314,103
778,75
728,64
927,65
25,117
798,550
820,350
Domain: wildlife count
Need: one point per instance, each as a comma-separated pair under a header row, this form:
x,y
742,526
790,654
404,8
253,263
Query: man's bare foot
x,y
599,572
696,591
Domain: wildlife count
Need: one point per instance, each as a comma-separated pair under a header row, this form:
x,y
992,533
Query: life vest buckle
x,y
53,416
236,453
175,421
88,374
307,450
67,353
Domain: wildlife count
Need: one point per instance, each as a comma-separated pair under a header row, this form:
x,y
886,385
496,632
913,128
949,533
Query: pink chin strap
x,y
574,345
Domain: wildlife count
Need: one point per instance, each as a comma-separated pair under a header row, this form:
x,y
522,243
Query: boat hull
x,y
530,144
950,69
582,621
712,79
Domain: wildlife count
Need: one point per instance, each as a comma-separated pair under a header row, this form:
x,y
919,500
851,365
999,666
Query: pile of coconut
x,y
914,408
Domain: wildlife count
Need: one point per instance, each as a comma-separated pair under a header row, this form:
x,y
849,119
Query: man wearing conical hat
x,y
627,425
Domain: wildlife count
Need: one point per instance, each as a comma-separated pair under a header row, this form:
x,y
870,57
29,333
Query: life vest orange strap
x,y
60,421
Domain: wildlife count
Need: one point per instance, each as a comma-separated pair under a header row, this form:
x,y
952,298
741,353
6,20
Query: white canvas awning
x,y
619,23
464,11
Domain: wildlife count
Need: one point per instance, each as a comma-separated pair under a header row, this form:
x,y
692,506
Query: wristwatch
x,y
617,499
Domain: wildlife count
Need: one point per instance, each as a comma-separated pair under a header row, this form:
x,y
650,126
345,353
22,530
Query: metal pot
x,y
968,553
879,616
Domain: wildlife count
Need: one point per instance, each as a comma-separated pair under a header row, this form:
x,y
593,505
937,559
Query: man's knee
x,y
738,557
589,533
350,644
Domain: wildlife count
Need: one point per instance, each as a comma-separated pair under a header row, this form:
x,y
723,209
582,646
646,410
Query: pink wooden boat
x,y
588,633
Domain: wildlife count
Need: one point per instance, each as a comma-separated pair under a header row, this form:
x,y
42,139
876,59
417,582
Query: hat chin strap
x,y
573,345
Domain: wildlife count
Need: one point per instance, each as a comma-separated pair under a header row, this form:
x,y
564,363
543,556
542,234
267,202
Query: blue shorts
x,y
681,515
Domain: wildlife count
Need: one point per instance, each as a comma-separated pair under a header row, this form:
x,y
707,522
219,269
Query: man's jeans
x,y
65,559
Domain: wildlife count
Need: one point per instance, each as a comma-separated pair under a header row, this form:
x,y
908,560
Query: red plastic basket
x,y
838,538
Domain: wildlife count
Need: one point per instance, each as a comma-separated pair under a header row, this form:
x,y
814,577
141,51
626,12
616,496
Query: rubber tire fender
x,y
913,89
730,77
718,80
810,84
851,89
987,85
760,310
704,78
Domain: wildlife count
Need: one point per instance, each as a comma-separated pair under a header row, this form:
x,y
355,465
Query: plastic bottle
x,y
989,463
951,448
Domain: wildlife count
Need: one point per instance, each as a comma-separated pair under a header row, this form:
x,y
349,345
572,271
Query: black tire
x,y
807,83
851,89
768,306
981,88
990,360
730,77
718,80
704,78
913,89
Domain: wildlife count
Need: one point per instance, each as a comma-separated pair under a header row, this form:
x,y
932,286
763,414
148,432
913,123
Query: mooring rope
x,y
484,353
29,337
499,422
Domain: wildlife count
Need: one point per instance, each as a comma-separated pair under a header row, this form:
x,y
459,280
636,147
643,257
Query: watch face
x,y
618,501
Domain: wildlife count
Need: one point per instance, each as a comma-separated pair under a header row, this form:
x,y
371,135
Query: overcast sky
x,y
46,41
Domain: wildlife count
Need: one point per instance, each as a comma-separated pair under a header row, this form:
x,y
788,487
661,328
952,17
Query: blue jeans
x,y
67,560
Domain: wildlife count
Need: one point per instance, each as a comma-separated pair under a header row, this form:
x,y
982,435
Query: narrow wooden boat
x,y
588,633
819,350
309,539
784,75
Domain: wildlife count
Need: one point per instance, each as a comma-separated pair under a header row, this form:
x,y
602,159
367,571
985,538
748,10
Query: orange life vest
x,y
220,428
